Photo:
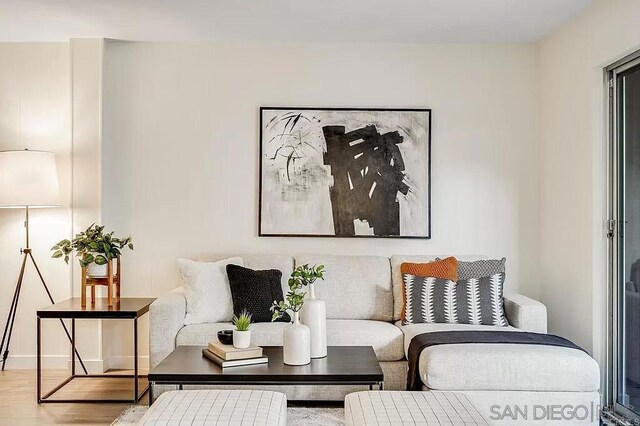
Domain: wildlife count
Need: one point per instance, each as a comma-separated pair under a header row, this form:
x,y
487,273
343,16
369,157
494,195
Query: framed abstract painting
x,y
345,172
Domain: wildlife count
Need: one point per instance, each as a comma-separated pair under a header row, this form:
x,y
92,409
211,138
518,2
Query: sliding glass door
x,y
625,233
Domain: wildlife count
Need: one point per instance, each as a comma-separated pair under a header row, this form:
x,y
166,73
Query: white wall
x,y
35,113
170,132
573,165
180,154
86,88
44,88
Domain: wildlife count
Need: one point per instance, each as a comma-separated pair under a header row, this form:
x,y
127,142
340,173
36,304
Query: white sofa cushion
x,y
396,276
385,338
207,290
412,330
281,262
525,313
355,287
508,367
262,333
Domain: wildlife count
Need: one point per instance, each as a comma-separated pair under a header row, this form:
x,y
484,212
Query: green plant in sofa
x,y
300,278
304,275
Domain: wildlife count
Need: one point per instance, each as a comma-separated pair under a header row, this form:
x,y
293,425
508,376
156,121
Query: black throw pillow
x,y
255,291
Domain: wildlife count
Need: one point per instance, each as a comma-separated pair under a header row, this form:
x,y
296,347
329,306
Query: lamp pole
x,y
28,179
11,317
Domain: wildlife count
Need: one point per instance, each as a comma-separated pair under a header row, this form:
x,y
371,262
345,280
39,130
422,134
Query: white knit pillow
x,y
207,290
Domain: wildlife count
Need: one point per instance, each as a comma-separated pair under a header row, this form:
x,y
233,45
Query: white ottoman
x,y
410,408
210,407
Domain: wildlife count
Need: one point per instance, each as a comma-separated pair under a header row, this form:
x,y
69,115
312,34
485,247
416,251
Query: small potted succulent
x,y
242,333
94,248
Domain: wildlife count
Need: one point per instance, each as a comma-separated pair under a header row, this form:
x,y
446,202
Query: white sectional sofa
x,y
363,296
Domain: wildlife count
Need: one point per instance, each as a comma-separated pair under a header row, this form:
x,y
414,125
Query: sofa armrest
x,y
166,319
525,313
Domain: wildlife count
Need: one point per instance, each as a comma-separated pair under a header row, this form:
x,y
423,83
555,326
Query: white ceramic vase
x,y
297,347
97,271
100,271
313,315
241,339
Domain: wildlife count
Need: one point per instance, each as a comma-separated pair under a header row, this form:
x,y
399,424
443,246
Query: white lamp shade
x,y
28,178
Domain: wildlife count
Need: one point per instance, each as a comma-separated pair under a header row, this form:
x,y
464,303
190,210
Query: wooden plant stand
x,y
111,281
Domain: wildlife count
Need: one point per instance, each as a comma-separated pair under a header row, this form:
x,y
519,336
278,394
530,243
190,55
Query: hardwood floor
x,y
18,404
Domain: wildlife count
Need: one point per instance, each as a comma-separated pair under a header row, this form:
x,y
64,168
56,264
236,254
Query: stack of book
x,y
230,356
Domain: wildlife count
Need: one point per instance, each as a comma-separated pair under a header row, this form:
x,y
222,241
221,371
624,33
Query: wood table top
x,y
127,308
343,364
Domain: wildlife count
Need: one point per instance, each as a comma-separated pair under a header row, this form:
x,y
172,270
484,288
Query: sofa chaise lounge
x,y
363,296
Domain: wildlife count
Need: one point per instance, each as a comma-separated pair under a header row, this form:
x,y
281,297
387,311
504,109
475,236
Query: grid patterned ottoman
x,y
410,408
224,407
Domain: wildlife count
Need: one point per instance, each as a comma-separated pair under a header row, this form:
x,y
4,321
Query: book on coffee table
x,y
230,352
233,363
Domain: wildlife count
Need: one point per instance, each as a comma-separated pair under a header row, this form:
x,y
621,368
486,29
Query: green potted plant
x,y
94,248
305,276
294,299
242,332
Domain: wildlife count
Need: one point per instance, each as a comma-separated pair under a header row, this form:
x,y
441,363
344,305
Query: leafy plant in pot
x,y
242,333
296,336
94,248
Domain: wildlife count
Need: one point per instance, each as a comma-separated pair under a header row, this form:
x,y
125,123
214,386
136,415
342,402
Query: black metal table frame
x,y
135,376
181,383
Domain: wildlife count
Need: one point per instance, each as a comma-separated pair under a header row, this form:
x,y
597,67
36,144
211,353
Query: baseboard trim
x,y
126,362
63,362
50,362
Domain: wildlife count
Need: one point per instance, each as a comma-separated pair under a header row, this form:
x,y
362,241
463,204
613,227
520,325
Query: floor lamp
x,y
27,179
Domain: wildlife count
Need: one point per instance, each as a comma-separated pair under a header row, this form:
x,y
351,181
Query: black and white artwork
x,y
340,172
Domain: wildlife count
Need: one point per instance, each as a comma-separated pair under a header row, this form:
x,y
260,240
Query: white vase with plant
x,y
296,348
313,313
242,332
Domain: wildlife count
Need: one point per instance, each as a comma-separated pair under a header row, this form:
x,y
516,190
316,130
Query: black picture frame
x,y
261,233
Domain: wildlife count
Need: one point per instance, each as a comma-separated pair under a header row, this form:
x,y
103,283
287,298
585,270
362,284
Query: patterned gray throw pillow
x,y
429,299
481,268
471,301
480,300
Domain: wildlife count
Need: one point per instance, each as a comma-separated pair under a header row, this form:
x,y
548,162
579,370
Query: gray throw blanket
x,y
424,340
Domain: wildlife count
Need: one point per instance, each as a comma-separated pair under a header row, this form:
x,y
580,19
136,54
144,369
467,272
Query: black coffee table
x,y
343,365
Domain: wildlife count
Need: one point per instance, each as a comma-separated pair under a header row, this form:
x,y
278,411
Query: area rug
x,y
130,415
310,416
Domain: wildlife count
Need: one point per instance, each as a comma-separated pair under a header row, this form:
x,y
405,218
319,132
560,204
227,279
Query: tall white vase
x,y
297,347
314,315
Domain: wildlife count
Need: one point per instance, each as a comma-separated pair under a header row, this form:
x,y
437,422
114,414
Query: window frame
x,y
612,74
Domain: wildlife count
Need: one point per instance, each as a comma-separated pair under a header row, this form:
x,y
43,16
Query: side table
x,y
127,308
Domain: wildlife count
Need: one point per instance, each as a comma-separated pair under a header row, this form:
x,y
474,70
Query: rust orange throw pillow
x,y
446,269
